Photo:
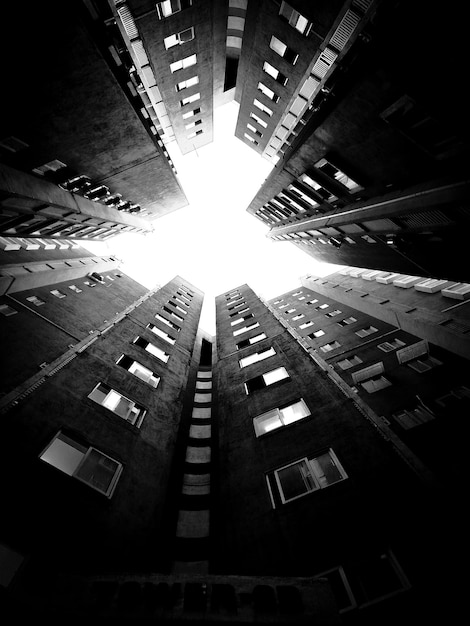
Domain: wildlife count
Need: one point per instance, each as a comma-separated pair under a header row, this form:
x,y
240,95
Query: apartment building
x,y
373,175
308,482
89,129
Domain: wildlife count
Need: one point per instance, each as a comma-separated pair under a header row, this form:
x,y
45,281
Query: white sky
x,y
214,243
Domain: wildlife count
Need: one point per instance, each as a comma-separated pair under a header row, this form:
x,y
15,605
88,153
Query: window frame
x,y
277,412
138,418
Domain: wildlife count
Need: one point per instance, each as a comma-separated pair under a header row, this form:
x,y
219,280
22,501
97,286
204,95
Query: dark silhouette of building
x,y
373,174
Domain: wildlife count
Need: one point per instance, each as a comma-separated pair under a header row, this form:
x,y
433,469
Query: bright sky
x,y
214,243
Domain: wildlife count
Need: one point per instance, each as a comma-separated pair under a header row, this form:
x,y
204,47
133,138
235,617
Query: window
x,y
167,310
250,341
191,113
138,370
306,475
247,136
7,310
316,334
57,293
177,307
161,333
269,93
240,311
275,73
363,332
257,356
346,321
306,325
311,301
298,317
167,322
366,582
375,384
388,346
333,313
117,403
351,361
153,350
295,19
262,107
76,289
242,319
179,38
424,364
195,134
183,63
84,463
333,172
193,124
189,99
252,129
409,418
279,417
185,84
170,7
320,307
269,378
328,347
321,191
283,51
258,120
35,300
243,330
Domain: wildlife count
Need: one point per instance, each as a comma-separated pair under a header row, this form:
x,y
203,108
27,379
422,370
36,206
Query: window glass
x,y
257,356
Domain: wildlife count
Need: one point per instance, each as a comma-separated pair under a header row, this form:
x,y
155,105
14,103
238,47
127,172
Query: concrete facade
x,y
374,174
89,118
261,530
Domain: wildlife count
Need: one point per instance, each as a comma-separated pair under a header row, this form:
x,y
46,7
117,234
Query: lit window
x,y
254,130
279,417
84,463
262,107
333,172
189,99
295,19
304,476
363,332
153,350
333,313
170,7
76,289
191,113
328,347
290,310
242,319
321,306
351,361
257,356
388,346
274,73
245,329
306,325
183,63
265,380
298,317
316,334
57,293
117,403
346,321
161,333
185,84
7,310
179,38
258,120
250,341
167,322
138,370
35,300
282,50
269,93
311,301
